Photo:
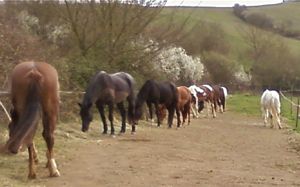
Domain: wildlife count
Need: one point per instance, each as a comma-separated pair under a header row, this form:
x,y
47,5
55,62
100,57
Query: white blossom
x,y
242,76
176,64
28,22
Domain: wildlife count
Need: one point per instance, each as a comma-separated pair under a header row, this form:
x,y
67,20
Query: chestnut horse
x,y
34,88
108,89
183,106
156,93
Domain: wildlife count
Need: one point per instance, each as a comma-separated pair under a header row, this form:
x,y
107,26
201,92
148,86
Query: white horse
x,y
270,107
196,91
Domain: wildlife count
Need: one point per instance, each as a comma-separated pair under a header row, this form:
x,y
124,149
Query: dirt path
x,y
232,150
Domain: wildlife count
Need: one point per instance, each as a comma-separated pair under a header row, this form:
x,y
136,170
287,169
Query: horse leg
x,y
49,122
123,116
32,155
157,114
110,117
178,111
131,106
207,106
100,108
223,104
151,111
193,111
35,157
171,112
213,108
276,118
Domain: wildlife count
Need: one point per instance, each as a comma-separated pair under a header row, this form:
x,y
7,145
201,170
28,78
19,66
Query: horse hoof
x,y
32,176
113,135
55,174
133,133
104,132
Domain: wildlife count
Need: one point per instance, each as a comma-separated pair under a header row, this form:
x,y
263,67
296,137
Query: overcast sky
x,y
220,3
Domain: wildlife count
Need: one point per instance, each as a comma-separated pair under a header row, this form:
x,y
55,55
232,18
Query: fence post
x,y
292,103
297,117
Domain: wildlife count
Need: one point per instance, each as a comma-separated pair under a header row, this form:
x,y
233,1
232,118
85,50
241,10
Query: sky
x,y
220,3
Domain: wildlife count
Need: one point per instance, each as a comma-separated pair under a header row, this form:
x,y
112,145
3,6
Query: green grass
x,y
233,26
282,13
249,104
245,103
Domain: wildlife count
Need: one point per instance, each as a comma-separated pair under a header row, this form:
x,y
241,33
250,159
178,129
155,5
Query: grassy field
x,y
234,27
282,13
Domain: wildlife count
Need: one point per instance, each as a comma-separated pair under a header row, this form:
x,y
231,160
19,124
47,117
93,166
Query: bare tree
x,y
114,27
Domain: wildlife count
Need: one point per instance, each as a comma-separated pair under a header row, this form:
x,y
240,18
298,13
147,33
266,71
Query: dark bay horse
x,y
183,106
108,89
156,93
34,88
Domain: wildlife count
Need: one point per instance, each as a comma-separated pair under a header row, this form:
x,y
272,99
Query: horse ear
x,y
80,105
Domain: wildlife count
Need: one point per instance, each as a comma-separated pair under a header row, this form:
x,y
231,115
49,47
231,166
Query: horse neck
x,y
88,100
142,97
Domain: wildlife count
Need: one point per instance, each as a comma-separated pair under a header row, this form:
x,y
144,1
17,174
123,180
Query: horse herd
x,y
35,92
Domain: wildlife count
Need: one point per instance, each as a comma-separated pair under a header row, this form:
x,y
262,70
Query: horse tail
x,y
27,122
131,98
175,91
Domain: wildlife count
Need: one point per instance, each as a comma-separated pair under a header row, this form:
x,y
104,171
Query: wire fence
x,y
66,109
293,105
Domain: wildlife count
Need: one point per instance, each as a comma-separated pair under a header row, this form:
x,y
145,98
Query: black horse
x,y
156,93
109,89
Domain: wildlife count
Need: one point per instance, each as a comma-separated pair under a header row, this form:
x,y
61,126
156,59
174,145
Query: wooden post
x,y
297,117
291,108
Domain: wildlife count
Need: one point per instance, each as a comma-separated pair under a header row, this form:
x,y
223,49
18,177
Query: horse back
x,y
40,73
168,93
184,95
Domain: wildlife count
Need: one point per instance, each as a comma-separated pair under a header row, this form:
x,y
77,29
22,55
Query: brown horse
x,y
220,96
183,106
34,89
211,98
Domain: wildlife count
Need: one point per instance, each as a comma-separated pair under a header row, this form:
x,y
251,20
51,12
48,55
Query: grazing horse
x,y
220,97
198,95
183,106
270,107
108,89
156,93
211,99
34,89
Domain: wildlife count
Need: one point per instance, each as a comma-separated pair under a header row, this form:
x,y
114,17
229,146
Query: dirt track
x,y
232,150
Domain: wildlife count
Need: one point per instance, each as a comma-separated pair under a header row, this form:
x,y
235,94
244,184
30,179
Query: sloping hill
x,y
234,27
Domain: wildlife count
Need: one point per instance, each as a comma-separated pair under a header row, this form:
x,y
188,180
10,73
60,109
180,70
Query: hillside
x,y
234,26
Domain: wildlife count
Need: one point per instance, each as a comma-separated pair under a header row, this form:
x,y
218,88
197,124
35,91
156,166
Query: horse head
x,y
86,116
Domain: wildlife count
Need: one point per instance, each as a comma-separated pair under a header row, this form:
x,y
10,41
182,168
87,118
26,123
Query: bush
x,y
219,67
260,20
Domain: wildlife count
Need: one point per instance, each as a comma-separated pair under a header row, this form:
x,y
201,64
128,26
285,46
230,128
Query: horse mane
x,y
143,94
93,87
